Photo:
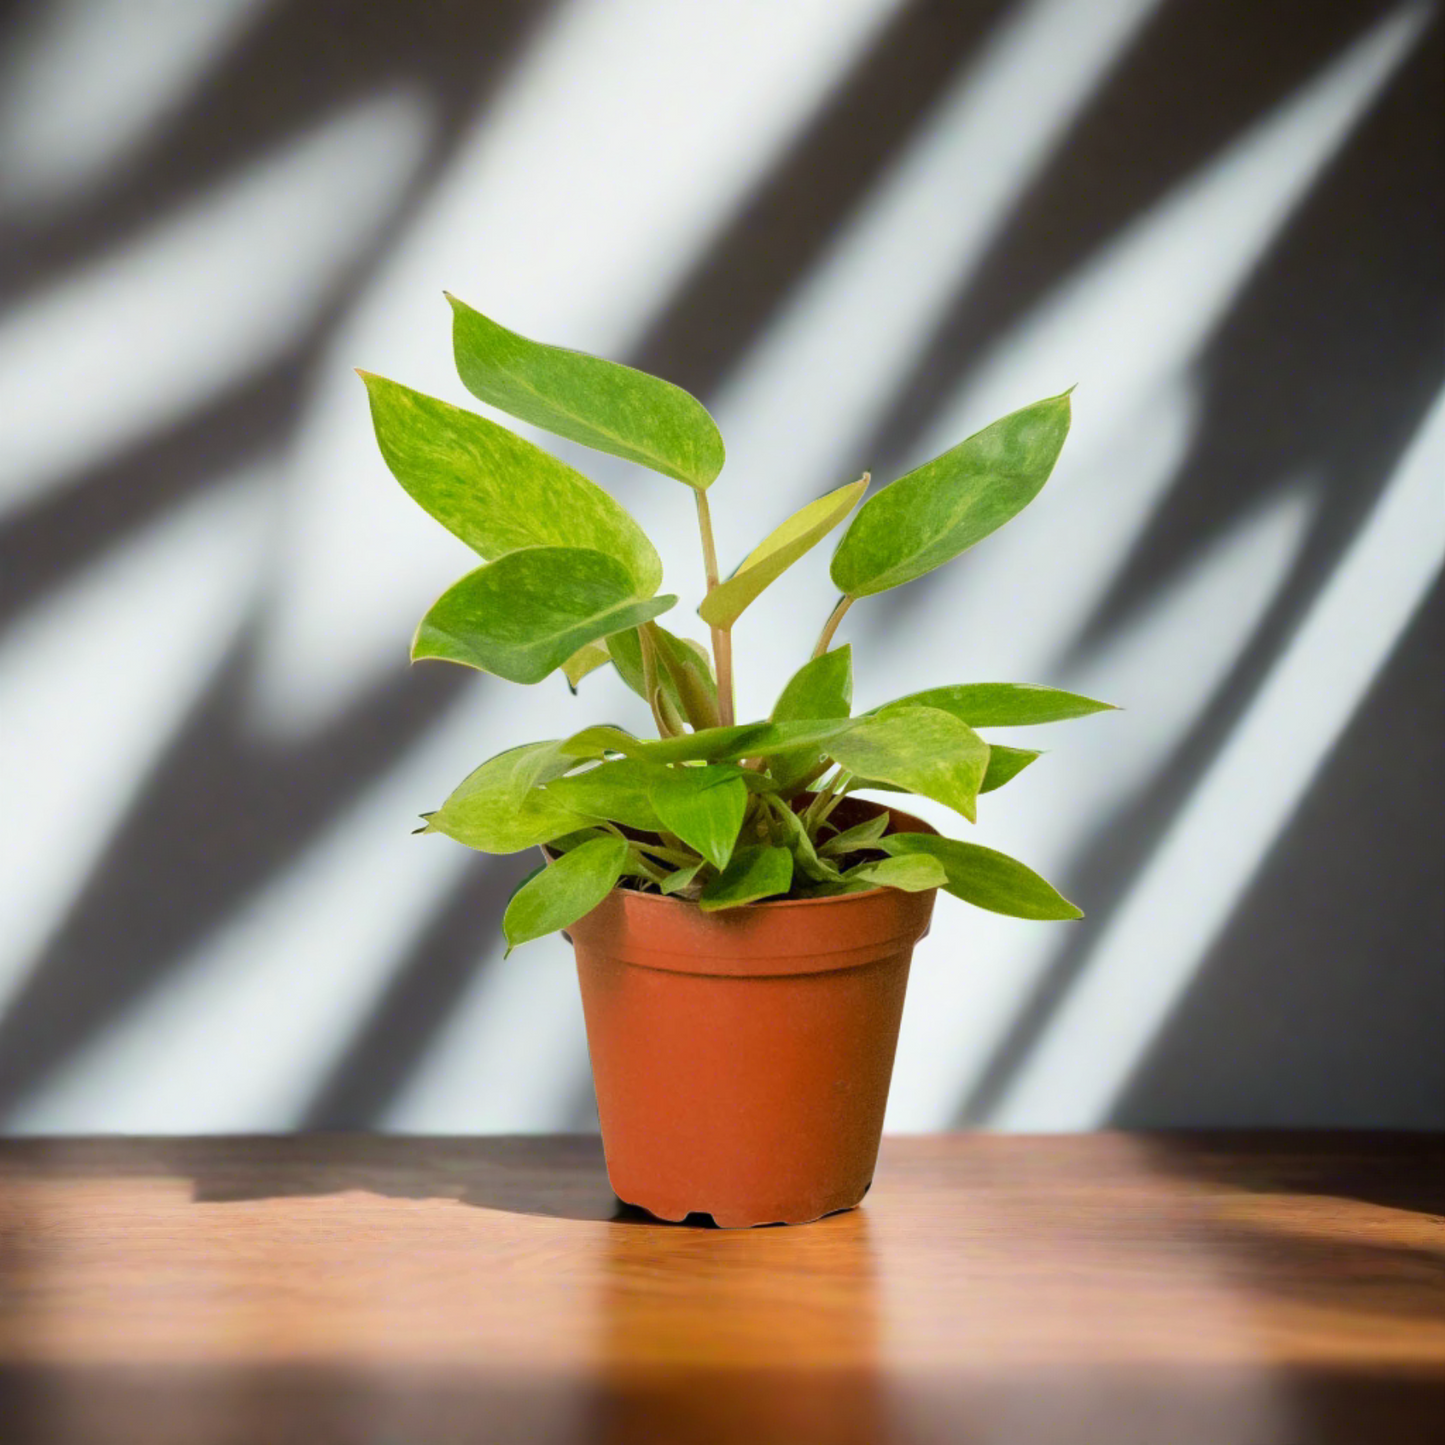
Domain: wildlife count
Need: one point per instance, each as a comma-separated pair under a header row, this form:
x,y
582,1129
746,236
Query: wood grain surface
x,y
404,1291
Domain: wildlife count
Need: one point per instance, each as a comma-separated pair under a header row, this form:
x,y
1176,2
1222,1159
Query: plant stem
x,y
838,795
653,875
667,855
831,625
824,802
722,638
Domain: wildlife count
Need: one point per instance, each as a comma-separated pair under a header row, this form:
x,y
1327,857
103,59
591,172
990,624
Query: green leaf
x,y
599,403
757,782
920,749
615,790
754,872
1005,763
713,745
702,806
565,844
670,720
500,808
805,856
700,655
875,785
568,841
931,515
497,492
910,873
564,891
685,674
821,689
1003,704
598,740
987,879
684,667
586,659
676,882
744,740
747,740
777,552
528,612
855,839
625,650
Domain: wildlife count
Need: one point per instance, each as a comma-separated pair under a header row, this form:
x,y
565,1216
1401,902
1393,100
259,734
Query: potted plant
x,y
743,920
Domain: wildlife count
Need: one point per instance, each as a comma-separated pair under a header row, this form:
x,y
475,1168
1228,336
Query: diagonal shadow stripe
x,y
65,528
71,525
429,982
1197,77
1364,1028
1331,354
1279,356
784,226
173,871
298,62
1119,849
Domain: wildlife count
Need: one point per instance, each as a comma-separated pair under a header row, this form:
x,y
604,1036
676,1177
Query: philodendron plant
x,y
717,812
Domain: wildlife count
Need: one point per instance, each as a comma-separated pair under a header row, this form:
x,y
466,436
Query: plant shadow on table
x,y
1392,1171
553,1177
1360,1253
1374,1254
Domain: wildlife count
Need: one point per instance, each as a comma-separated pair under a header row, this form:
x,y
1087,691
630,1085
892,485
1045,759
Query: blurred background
x,y
858,230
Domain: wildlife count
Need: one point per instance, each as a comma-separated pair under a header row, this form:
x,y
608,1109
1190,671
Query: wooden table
x,y
393,1291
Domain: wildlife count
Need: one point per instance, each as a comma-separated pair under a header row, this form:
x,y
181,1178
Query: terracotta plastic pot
x,y
742,1059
